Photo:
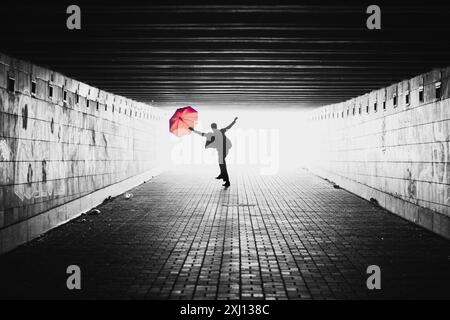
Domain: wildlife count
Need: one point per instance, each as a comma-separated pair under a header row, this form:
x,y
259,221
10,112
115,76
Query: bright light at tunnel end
x,y
264,140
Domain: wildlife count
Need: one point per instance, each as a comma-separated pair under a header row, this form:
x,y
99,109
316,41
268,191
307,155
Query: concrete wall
x,y
398,154
63,154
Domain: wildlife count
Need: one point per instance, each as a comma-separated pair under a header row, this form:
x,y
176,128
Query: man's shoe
x,y
219,176
226,184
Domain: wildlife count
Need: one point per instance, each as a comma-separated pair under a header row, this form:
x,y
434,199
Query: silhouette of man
x,y
219,141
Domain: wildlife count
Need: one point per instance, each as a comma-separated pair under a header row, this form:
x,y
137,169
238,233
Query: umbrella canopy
x,y
182,119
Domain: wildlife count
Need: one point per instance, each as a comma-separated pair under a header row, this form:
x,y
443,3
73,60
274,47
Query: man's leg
x,y
220,176
225,173
223,168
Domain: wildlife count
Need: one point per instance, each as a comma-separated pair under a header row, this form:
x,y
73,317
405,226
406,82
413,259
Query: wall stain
x,y
72,165
5,151
383,135
29,174
412,185
438,168
105,141
25,117
44,171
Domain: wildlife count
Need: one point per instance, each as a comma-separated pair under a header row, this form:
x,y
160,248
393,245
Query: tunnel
x,y
335,117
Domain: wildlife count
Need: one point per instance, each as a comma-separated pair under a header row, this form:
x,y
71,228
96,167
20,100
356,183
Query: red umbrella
x,y
181,120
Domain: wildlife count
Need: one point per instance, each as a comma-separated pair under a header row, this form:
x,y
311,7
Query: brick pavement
x,y
182,236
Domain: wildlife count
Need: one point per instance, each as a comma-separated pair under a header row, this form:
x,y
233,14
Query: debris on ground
x,y
109,198
94,212
128,195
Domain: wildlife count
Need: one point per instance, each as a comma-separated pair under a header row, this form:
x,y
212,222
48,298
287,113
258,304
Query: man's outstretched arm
x,y
197,132
231,124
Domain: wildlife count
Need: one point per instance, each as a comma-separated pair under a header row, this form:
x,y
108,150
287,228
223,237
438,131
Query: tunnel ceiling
x,y
302,54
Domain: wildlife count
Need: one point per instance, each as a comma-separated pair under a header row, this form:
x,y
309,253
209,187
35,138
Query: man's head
x,y
213,125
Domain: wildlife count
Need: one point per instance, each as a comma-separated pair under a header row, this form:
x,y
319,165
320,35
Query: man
x,y
217,140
